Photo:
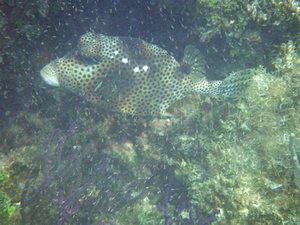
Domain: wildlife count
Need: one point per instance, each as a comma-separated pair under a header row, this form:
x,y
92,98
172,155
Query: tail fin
x,y
232,86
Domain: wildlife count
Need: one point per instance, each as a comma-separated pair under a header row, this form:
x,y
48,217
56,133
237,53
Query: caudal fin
x,y
236,83
233,86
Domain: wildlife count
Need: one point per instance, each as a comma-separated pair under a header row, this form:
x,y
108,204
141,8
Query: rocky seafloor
x,y
211,161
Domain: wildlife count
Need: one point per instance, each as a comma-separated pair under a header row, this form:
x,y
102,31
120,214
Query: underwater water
x,y
152,112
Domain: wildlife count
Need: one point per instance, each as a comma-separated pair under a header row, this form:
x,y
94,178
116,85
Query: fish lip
x,y
49,74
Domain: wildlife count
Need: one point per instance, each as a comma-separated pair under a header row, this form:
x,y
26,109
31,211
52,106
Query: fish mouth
x,y
49,74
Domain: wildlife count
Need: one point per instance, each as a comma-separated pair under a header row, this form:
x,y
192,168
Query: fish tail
x,y
233,86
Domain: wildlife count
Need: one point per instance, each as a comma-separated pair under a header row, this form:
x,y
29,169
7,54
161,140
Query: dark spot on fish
x,y
184,68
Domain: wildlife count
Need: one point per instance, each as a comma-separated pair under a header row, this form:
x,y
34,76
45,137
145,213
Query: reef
x,y
209,161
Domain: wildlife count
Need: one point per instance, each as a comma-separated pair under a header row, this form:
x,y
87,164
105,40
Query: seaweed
x,y
69,189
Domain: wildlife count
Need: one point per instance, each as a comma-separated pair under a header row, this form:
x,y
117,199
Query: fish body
x,y
127,75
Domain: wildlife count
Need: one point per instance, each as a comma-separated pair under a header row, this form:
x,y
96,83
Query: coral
x,y
160,126
234,16
285,61
245,30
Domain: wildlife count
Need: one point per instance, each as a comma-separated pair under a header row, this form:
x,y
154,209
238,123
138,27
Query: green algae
x,y
8,205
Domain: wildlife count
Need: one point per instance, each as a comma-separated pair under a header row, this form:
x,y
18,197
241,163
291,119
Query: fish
x,y
132,76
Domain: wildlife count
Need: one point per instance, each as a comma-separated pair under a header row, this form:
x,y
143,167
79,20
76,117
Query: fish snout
x,y
50,75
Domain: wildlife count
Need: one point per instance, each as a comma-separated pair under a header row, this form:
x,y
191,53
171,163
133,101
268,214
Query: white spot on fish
x,y
116,52
125,60
136,69
145,68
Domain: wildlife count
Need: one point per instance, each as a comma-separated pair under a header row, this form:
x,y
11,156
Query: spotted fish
x,y
132,76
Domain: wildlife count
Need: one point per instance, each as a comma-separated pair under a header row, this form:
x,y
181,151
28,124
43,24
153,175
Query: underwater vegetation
x,y
7,208
193,218
79,188
294,148
75,191
209,161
